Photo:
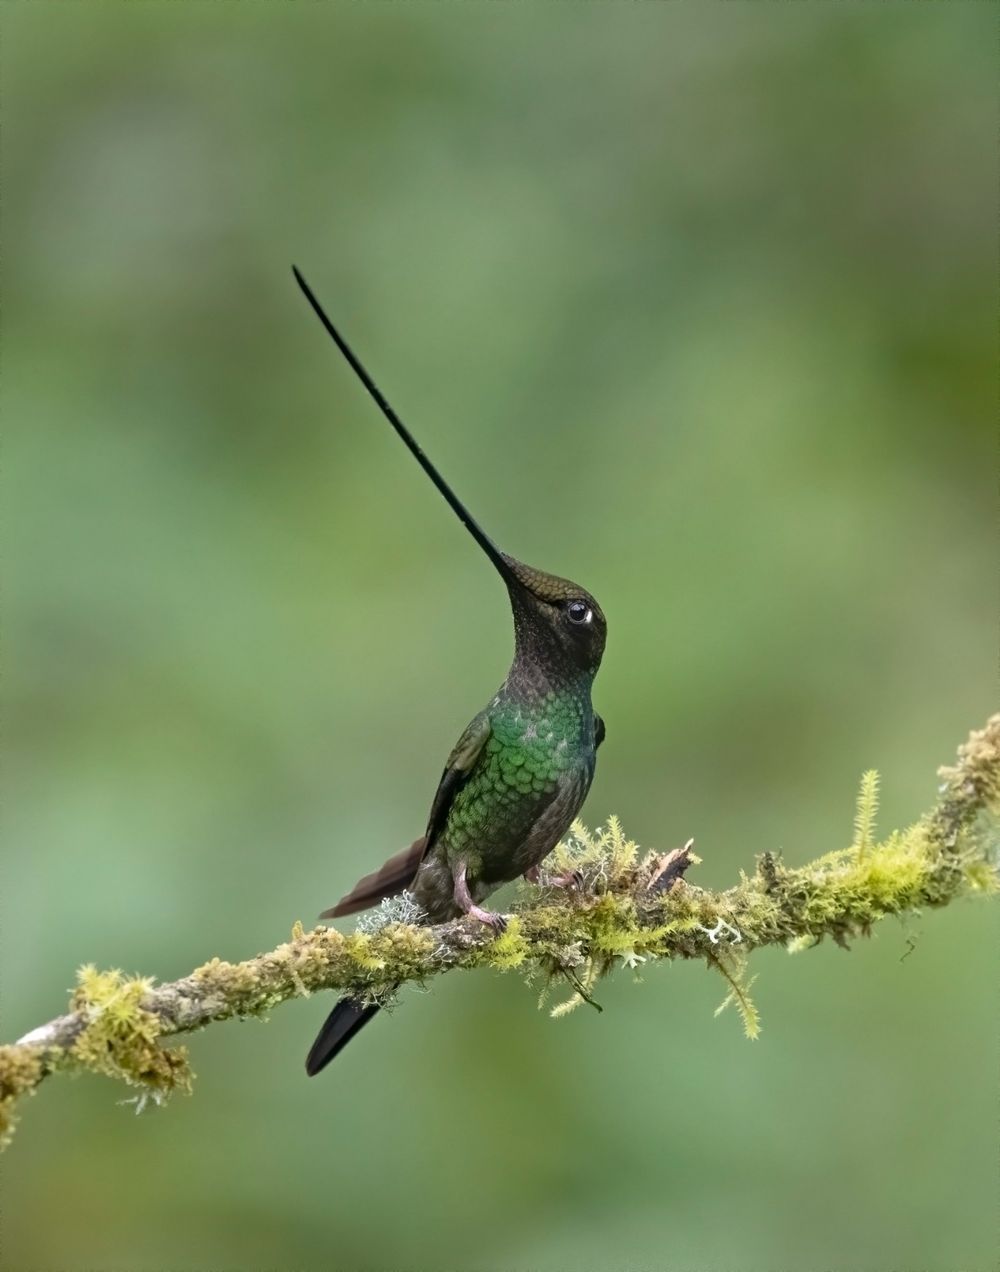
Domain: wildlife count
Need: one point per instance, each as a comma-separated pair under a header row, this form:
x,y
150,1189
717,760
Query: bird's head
x,y
554,614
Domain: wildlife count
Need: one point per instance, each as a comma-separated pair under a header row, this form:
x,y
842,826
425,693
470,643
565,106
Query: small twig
x,y
581,989
670,867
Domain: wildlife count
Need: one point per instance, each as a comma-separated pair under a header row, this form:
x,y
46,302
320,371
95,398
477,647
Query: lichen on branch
x,y
626,908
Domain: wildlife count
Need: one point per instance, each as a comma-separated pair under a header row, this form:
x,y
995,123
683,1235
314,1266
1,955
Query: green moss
x,y
233,982
360,949
865,813
120,1038
841,895
732,967
21,1070
510,949
405,950
981,876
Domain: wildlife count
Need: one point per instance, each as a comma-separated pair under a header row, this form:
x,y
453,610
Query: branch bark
x,y
626,909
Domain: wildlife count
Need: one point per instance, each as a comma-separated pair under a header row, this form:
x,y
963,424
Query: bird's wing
x,y
599,731
399,871
460,764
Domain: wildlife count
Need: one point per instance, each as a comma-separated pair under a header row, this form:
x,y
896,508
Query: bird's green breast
x,y
534,745
532,773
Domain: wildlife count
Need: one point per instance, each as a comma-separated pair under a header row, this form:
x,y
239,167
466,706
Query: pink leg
x,y
533,875
463,899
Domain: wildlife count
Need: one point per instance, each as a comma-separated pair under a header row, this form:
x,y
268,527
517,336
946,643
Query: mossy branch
x,y
627,909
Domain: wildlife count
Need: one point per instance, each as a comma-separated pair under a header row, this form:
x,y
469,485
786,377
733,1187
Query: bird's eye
x,y
579,612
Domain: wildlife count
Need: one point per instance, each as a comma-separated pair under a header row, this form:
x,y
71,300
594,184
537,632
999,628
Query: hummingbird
x,y
520,772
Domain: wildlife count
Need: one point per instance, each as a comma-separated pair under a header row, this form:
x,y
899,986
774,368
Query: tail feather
x,y
346,1019
387,881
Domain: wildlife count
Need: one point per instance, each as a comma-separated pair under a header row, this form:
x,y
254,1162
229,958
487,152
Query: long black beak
x,y
485,542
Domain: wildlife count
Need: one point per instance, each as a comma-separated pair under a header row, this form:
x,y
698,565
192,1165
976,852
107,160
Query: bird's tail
x,y
388,881
346,1019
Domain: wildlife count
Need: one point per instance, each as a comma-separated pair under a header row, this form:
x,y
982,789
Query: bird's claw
x,y
498,922
574,879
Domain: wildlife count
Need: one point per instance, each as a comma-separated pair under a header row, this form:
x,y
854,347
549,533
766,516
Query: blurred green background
x,y
693,304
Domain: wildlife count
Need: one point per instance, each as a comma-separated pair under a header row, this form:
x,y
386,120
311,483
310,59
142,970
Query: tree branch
x,y
625,910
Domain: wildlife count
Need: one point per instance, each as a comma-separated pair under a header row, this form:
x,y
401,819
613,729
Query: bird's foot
x,y
574,879
497,922
464,901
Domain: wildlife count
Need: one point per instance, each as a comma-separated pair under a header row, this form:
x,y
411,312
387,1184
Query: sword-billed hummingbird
x,y
518,774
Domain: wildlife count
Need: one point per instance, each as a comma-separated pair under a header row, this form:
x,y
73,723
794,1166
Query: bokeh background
x,y
694,304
